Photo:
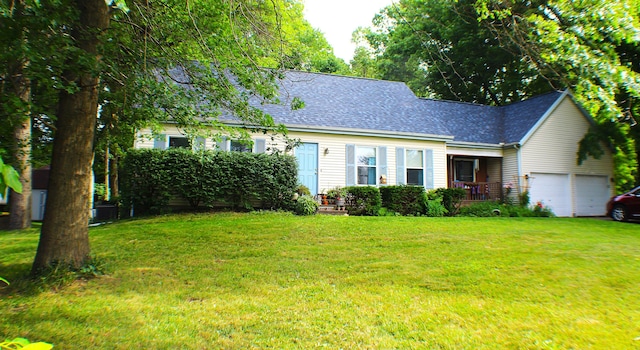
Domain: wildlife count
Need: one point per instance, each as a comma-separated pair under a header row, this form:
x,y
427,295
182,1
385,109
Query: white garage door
x,y
553,190
592,194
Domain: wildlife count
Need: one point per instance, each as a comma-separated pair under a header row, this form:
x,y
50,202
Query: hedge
x,y
363,200
151,178
405,200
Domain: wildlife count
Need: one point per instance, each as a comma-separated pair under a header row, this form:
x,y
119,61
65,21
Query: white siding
x,y
510,172
332,156
553,149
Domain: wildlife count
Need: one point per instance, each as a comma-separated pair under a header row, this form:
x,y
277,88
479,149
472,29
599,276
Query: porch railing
x,y
481,191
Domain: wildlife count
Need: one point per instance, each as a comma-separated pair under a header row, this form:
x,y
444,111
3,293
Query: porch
x,y
480,177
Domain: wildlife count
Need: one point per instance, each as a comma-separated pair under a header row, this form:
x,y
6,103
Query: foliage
x,y
337,192
303,190
24,344
524,199
406,200
489,209
9,178
363,200
435,207
145,182
440,49
151,178
451,199
306,205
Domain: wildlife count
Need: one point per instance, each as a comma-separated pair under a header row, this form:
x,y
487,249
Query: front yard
x,y
281,281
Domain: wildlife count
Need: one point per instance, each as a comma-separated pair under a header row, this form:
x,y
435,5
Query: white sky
x,y
337,19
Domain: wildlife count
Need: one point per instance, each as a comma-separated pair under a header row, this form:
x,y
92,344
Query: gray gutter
x,y
359,132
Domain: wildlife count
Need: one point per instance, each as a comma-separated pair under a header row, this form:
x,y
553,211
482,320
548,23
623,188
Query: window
x,y
366,163
415,167
464,170
237,146
179,142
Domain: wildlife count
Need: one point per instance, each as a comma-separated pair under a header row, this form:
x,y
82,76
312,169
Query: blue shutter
x,y
401,176
351,165
223,144
160,141
260,145
428,168
382,162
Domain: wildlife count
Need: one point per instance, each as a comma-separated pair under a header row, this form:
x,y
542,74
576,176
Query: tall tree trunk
x,y
115,188
20,203
64,238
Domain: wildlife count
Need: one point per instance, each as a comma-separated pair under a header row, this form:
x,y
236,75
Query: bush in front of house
x,y
145,182
363,200
435,207
306,205
451,199
405,200
487,209
150,178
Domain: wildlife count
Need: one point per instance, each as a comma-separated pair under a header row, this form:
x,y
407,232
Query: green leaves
x,y
24,344
9,177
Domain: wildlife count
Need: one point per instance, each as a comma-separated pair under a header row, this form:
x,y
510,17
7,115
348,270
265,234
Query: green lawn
x,y
278,281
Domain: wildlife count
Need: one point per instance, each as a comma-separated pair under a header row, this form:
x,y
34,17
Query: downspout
x,y
519,161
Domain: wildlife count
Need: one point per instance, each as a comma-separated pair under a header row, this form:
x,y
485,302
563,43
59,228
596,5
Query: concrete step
x,y
332,210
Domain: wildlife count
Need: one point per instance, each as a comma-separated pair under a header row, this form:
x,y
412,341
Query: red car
x,y
625,206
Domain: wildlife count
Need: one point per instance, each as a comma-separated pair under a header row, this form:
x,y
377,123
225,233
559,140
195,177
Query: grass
x,y
278,281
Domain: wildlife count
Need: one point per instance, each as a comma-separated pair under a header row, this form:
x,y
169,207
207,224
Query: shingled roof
x,y
340,102
349,103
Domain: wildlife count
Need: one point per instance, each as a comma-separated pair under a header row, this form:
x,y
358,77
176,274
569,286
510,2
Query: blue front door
x,y
307,155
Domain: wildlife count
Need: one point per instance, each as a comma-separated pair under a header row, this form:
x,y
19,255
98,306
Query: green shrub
x,y
22,343
524,199
151,178
145,182
363,200
303,190
406,200
435,208
306,205
487,209
484,209
451,199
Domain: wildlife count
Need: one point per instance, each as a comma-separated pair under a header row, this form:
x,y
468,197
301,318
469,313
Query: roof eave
x,y
369,132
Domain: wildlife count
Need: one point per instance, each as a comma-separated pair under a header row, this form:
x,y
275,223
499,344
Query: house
x,y
357,131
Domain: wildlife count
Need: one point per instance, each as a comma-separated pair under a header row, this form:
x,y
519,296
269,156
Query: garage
x,y
553,190
592,194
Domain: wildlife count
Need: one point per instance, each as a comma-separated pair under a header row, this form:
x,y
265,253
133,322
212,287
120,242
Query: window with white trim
x,y
237,146
367,165
415,167
464,170
179,142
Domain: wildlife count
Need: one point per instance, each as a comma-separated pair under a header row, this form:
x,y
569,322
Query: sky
x,y
337,19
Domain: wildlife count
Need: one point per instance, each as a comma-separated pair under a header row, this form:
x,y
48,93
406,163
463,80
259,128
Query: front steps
x,y
332,210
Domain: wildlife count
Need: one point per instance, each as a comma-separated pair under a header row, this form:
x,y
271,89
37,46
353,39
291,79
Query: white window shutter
x,y
260,146
401,175
382,163
160,141
428,168
351,165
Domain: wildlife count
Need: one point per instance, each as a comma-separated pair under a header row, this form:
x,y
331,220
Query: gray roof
x,y
521,117
340,102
